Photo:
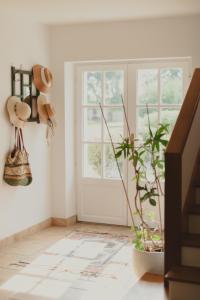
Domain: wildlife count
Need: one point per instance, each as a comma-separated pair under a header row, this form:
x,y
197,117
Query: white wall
x,y
23,43
170,37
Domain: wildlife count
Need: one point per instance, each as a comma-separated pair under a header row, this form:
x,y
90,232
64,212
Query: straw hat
x,y
46,115
42,78
45,110
32,102
18,111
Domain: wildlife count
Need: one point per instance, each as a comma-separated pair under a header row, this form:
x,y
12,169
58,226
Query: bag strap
x,y
19,142
21,139
17,146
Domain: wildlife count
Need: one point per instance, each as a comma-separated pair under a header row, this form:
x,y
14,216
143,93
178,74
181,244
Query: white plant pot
x,y
152,262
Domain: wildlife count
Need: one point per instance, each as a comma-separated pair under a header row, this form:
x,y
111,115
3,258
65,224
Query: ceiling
x,y
81,11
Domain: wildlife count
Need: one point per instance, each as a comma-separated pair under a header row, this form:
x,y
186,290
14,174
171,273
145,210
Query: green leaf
x,y
160,165
164,142
140,188
145,196
156,237
152,202
118,154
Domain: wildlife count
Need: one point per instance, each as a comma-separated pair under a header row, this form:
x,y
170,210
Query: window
x,y
162,90
105,87
159,85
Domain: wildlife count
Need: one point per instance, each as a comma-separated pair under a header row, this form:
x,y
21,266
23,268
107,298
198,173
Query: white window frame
x,y
132,83
130,70
80,142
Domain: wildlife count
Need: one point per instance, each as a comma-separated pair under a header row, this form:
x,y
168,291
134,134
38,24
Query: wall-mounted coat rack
x,y
23,88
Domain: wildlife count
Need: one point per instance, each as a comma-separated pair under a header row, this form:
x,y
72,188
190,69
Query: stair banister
x,y
180,159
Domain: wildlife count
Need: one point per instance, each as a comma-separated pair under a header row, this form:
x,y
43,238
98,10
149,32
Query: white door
x,y
161,85
100,192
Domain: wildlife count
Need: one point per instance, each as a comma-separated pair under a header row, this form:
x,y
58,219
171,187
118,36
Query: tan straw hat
x,y
46,110
42,78
18,111
47,116
41,101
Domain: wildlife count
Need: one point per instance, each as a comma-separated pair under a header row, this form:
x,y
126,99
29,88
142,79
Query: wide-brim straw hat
x,y
18,111
42,78
46,110
32,102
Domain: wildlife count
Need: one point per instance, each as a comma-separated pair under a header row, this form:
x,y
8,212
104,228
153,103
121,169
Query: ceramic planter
x,y
152,262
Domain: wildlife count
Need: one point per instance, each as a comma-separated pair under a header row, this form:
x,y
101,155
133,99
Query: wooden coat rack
x,y
23,88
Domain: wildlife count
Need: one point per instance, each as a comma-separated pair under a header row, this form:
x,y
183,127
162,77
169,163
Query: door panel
x,y
100,192
102,203
161,86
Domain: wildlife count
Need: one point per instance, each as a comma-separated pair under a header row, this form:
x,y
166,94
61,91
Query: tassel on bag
x,y
17,169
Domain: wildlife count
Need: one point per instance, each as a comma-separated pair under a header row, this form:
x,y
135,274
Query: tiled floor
x,y
29,270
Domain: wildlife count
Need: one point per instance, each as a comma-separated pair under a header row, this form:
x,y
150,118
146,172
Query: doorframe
x,y
70,84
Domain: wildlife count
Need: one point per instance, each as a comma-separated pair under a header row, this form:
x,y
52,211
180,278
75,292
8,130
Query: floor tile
x,y
83,261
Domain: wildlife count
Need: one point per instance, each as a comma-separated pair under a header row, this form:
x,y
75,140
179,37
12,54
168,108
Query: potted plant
x,y
147,161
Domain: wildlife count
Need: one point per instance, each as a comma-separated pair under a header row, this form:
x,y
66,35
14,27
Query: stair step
x,y
190,250
194,223
197,195
197,184
194,210
184,283
184,274
190,256
191,240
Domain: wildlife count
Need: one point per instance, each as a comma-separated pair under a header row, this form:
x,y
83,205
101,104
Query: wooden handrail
x,y
185,138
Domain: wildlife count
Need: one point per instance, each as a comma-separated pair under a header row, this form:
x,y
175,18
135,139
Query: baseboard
x,y
36,228
64,222
26,232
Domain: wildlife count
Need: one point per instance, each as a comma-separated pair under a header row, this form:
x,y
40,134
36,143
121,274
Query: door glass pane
x,y
114,87
110,166
114,118
142,121
171,85
92,160
92,87
147,86
92,124
169,115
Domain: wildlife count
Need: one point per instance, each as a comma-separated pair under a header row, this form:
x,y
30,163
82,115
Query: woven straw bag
x,y
17,169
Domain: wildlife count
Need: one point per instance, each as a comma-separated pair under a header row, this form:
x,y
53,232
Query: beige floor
x,y
17,279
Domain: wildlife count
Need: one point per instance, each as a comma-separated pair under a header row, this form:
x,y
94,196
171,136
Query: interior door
x,y
161,86
100,196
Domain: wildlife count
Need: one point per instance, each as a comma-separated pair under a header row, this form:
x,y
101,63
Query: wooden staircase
x,y
182,203
184,280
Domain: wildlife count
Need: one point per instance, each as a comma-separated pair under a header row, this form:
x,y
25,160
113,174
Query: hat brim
x,y
11,102
38,81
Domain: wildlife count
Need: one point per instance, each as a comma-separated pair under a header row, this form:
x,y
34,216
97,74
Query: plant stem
x,y
126,117
118,167
157,182
139,211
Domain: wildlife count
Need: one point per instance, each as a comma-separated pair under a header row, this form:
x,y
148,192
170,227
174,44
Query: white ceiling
x,y
79,11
